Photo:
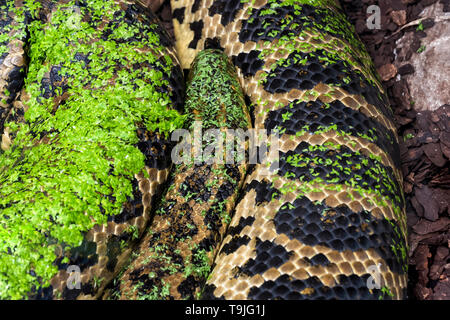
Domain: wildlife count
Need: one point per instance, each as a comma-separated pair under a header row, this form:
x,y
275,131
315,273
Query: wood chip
x,y
424,196
425,226
399,17
434,153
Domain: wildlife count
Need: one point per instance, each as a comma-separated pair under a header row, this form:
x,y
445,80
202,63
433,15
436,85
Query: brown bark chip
x,y
442,290
438,265
399,17
434,153
424,196
424,226
387,71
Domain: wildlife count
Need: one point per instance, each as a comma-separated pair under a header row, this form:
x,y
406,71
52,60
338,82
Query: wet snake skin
x,y
330,222
173,260
93,63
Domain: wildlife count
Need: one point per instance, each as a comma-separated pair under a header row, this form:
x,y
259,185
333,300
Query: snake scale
x,y
323,225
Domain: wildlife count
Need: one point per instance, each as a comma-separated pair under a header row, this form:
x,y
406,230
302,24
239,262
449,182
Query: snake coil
x,y
85,140
90,91
330,222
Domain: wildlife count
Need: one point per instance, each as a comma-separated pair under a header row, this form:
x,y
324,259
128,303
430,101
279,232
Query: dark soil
x,y
424,142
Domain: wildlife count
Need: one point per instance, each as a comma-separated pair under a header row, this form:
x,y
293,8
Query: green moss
x,y
198,264
420,27
385,291
214,96
214,93
71,164
345,47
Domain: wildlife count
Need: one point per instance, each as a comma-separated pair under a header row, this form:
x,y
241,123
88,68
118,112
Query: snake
x,y
327,221
173,259
90,92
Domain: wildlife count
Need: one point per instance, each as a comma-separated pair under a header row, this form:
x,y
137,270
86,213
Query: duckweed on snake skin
x,y
85,144
173,260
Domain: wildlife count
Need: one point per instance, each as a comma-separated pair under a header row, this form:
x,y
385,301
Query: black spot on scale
x,y
15,82
251,109
319,260
42,293
264,191
81,3
213,43
229,187
193,187
243,222
304,70
213,217
316,114
268,255
173,83
195,6
72,294
52,82
156,148
351,287
226,8
213,221
339,167
339,228
197,27
178,14
132,208
83,256
249,63
234,244
114,248
208,243
208,293
177,89
188,286
81,57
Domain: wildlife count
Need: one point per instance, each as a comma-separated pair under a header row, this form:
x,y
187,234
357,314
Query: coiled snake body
x,y
326,223
334,211
174,258
85,144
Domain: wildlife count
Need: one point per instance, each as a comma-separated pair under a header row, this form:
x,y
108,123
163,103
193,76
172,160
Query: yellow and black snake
x,y
324,224
174,258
